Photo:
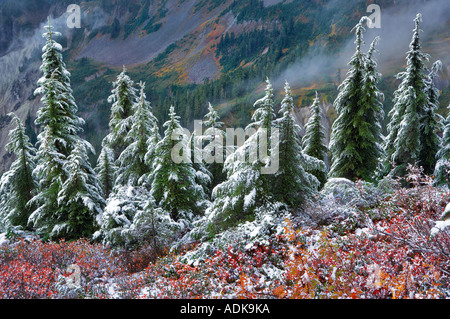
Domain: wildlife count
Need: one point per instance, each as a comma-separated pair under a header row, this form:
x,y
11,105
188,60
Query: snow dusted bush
x,y
342,203
269,222
131,218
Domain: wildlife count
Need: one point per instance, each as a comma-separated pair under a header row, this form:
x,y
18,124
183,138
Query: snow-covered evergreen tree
x,y
80,199
313,142
57,142
214,150
59,109
150,156
430,123
442,169
402,144
372,106
131,162
18,185
293,183
106,170
174,185
50,172
353,143
246,188
122,98
203,176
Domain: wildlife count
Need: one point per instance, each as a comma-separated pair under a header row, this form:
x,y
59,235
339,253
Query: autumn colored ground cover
x,y
396,255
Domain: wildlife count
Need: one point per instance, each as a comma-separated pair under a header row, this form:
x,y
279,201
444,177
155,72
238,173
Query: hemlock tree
x,y
122,99
442,169
430,123
403,142
106,170
131,162
174,185
353,145
18,184
313,140
80,199
293,184
246,188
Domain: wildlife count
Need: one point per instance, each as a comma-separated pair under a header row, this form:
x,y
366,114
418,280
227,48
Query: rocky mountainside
x,y
193,51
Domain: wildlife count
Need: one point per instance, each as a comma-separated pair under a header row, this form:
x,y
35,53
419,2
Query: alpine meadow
x,y
205,149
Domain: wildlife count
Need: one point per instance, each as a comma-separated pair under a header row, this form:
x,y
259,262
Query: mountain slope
x,y
193,51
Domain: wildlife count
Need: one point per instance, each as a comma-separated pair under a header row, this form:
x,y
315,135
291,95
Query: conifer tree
x,y
59,109
403,142
246,188
352,141
215,149
314,140
80,199
430,123
372,104
442,169
122,98
131,162
50,172
57,141
174,185
18,184
203,176
106,170
293,184
150,156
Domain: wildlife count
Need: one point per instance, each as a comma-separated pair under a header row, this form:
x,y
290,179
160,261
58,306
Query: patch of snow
x,y
440,226
3,239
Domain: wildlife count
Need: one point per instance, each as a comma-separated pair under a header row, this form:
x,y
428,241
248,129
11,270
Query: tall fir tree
x,y
442,169
131,162
352,141
174,185
293,183
57,141
122,98
430,123
372,103
59,109
403,142
18,184
313,141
